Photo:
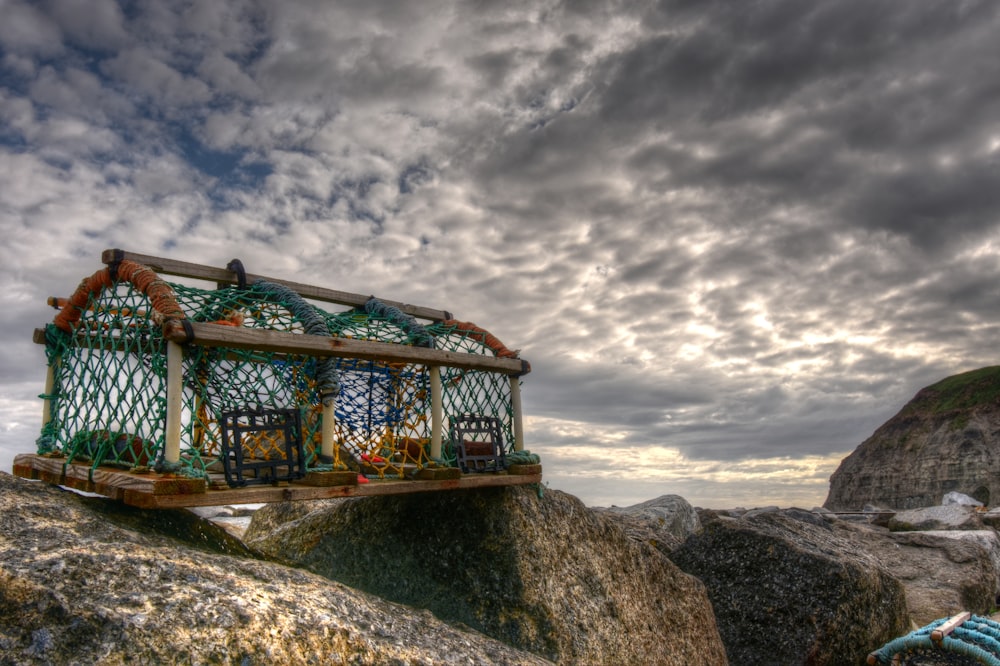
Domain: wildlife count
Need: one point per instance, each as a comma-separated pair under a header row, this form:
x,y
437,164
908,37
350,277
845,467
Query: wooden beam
x,y
517,418
437,411
168,491
213,335
225,276
938,634
293,491
106,481
175,403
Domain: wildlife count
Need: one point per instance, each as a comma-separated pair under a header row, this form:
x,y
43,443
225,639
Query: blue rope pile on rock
x,y
977,639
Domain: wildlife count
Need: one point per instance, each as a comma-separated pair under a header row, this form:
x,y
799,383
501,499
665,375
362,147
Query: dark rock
x,y
946,439
543,573
87,581
761,509
788,591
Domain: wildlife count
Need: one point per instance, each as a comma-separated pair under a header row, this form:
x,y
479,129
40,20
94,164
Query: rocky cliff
x,y
87,580
946,439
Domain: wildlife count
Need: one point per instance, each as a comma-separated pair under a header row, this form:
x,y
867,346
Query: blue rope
x,y
976,638
414,331
327,381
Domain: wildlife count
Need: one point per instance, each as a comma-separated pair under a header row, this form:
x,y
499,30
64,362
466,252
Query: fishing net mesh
x,y
107,357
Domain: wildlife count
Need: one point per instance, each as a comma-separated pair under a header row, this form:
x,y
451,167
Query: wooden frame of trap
x,y
145,488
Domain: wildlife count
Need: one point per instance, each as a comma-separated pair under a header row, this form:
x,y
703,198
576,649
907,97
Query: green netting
x,y
108,363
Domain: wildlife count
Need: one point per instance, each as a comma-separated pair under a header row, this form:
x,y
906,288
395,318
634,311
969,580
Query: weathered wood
x,y
223,275
213,335
438,473
161,491
106,481
327,479
24,468
296,491
437,410
949,626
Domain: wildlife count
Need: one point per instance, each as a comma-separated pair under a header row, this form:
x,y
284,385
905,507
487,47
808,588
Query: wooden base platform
x,y
149,490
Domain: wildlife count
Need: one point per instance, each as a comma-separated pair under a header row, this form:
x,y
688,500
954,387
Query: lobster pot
x,y
107,393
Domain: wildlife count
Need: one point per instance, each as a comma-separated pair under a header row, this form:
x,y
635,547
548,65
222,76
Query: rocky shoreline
x,y
495,576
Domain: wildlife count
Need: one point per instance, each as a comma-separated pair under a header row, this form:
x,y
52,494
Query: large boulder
x,y
541,572
88,581
942,572
664,522
946,439
791,587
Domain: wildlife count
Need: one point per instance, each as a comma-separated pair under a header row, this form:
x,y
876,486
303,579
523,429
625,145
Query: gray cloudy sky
x,y
732,238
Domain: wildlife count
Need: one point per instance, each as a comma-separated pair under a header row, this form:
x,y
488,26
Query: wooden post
x,y
50,384
437,411
329,420
515,406
175,384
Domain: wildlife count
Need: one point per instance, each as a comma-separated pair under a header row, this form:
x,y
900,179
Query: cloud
x,y
744,234
97,24
27,31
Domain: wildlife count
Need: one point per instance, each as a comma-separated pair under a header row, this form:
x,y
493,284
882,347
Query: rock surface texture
x,y
87,581
790,587
946,439
664,522
943,572
543,573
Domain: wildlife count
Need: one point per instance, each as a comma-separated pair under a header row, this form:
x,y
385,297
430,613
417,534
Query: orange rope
x,y
483,336
143,278
148,282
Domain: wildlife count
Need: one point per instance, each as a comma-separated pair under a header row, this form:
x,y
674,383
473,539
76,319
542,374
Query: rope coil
x,y
964,637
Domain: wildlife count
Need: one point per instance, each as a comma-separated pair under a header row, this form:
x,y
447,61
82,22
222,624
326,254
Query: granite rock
x,y
788,590
89,581
540,572
664,522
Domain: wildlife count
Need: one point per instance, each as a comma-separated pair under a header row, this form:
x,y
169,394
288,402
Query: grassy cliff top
x,y
961,392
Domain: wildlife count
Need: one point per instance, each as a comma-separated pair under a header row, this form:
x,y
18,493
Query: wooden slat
x,y
293,492
213,335
153,491
949,626
222,275
106,481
